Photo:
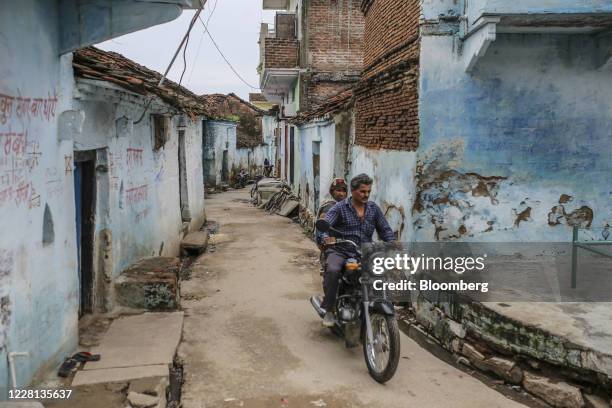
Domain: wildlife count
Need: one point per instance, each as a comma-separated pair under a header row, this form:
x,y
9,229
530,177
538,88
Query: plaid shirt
x,y
343,217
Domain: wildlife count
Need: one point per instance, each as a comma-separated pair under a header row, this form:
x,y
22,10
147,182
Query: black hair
x,y
360,179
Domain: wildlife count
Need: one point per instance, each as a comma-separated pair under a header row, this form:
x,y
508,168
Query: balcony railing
x,y
278,56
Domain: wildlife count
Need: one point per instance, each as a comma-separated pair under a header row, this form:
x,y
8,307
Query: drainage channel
x,y
410,328
176,384
176,371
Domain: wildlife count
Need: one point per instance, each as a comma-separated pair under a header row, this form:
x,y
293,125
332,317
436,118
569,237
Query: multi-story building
x,y
478,120
313,52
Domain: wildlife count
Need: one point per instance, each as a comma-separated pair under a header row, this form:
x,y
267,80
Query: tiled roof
x,y
335,104
248,116
257,97
93,63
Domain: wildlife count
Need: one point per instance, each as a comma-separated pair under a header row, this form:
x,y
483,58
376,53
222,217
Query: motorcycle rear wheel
x,y
382,357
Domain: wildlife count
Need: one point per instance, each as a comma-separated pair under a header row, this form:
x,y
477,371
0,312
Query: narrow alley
x,y
252,339
137,270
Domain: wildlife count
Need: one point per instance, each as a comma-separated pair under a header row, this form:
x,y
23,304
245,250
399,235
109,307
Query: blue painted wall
x,y
38,281
520,148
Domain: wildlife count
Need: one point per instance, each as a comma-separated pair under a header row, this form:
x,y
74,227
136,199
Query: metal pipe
x,y
11,361
193,20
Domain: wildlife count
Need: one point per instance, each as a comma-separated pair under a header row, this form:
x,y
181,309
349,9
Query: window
x,y
161,130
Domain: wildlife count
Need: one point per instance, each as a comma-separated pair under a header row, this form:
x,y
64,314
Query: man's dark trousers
x,y
333,271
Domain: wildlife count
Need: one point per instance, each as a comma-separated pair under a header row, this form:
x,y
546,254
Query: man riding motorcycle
x,y
355,218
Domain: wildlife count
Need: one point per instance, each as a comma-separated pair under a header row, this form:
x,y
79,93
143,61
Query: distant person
x,y
338,191
267,167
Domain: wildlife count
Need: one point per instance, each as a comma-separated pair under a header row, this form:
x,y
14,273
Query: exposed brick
x,y
386,98
332,53
281,53
334,35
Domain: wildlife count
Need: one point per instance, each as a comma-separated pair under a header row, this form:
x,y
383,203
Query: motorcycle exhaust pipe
x,y
316,301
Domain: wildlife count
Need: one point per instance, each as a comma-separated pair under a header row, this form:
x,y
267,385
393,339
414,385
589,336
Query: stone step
x,y
195,242
149,284
121,374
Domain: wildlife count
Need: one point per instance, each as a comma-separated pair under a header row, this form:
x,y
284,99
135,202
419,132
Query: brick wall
x,y
318,88
391,26
386,98
281,53
334,35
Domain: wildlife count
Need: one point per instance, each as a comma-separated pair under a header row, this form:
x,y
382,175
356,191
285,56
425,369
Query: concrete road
x,y
251,338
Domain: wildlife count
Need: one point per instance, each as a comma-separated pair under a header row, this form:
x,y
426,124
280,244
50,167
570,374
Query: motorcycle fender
x,y
383,307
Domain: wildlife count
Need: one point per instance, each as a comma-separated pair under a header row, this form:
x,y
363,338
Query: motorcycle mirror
x,y
322,225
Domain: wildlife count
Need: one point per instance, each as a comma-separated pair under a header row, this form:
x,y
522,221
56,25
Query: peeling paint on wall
x,y
539,129
446,197
581,217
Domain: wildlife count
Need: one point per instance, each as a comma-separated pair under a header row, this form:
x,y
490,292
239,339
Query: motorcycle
x,y
361,317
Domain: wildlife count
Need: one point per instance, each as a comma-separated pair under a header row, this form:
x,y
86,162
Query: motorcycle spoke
x,y
379,349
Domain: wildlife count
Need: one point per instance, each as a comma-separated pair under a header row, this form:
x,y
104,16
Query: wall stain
x,y
440,187
524,215
389,209
581,217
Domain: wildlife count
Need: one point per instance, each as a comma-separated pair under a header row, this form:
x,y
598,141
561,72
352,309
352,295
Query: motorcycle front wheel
x,y
382,356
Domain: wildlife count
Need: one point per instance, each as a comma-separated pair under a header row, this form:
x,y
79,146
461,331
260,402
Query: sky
x,y
234,25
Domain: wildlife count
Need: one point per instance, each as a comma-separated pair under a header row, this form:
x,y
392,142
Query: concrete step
x,y
149,284
195,242
139,346
122,374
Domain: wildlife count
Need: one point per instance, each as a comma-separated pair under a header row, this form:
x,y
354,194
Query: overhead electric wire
x,y
224,58
163,78
200,42
193,20
184,59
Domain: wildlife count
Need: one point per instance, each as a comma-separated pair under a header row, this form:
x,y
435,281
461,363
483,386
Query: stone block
x,y
195,241
471,353
559,394
155,386
595,401
150,284
503,368
138,400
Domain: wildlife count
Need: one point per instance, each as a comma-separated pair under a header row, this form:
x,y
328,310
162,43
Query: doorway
x,y
291,154
85,206
183,194
208,155
225,168
316,173
286,152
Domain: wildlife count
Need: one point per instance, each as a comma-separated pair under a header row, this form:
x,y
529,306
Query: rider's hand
x,y
329,240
